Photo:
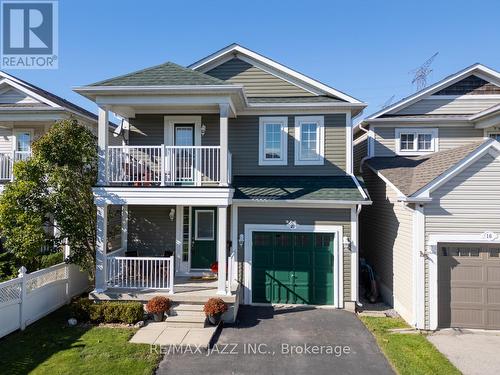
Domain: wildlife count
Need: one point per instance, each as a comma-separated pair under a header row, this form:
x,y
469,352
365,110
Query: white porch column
x,y
102,143
102,240
224,114
124,234
221,248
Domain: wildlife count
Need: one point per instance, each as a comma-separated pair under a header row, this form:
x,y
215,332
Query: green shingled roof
x,y
167,74
294,99
296,188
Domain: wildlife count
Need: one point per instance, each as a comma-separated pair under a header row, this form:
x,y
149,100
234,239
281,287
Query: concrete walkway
x,y
164,334
472,352
288,340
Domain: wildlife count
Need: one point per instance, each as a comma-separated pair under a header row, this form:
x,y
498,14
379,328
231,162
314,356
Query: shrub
x,y
214,306
80,309
158,305
84,309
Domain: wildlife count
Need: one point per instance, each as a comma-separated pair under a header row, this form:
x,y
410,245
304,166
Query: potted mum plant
x,y
214,308
158,306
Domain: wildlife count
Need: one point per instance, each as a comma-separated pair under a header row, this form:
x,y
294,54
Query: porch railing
x,y
140,273
7,160
164,165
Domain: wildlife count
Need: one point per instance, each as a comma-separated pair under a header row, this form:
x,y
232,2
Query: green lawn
x,y
408,353
49,346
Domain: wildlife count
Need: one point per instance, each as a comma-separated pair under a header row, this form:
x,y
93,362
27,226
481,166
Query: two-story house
x,y
235,162
432,168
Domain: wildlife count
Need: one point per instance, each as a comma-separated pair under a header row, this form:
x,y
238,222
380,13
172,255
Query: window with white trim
x,y
273,137
309,140
416,141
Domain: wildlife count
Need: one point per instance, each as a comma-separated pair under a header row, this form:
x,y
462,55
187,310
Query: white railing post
x,y
171,274
11,165
224,114
102,142
162,165
22,313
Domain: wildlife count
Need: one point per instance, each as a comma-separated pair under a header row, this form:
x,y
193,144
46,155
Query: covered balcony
x,y
7,160
166,165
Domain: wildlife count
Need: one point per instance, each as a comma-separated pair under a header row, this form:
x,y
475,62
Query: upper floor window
x,y
309,140
273,133
416,141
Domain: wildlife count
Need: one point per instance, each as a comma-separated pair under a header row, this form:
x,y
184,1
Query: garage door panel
x,y
493,274
467,273
467,295
493,296
292,268
467,317
469,286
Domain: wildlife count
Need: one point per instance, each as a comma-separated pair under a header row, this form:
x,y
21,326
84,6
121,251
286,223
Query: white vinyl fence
x,y
31,296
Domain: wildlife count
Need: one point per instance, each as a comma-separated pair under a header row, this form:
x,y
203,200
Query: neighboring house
x,y
27,112
432,169
235,159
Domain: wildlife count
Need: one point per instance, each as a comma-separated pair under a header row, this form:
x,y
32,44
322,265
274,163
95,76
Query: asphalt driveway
x,y
472,352
269,340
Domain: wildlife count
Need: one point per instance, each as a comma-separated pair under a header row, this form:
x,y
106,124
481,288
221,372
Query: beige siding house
x,y
433,231
235,179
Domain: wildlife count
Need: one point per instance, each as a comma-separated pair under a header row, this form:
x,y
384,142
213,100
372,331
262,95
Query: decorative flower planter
x,y
215,319
158,317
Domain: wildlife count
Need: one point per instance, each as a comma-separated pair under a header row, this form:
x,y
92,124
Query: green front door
x,y
204,235
295,268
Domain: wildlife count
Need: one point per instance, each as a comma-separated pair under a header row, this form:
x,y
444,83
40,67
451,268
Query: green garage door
x,y
295,268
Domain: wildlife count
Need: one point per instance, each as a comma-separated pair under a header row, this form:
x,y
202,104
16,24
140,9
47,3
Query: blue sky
x,y
367,49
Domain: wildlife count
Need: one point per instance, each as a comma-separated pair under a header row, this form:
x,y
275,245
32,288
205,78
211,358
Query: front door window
x,y
184,135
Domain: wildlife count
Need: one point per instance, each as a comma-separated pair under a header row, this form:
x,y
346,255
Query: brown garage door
x,y
469,286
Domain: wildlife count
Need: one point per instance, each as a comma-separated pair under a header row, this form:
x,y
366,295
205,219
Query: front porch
x,y
164,249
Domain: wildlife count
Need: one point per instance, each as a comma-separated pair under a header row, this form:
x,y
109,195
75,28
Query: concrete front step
x,y
187,307
186,313
186,320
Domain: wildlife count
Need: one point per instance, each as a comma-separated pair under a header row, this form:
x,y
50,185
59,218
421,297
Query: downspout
x,y
356,256
367,147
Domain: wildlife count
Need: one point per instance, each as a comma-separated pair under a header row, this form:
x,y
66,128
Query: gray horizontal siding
x,y
304,216
468,203
449,137
360,150
455,106
386,229
244,145
149,130
256,81
150,230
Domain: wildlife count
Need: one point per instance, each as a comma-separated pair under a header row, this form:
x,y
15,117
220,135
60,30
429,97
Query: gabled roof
x,y
293,188
272,67
477,69
167,74
411,174
48,99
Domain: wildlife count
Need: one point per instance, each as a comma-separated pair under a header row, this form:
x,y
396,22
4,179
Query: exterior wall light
x,y
203,129
171,215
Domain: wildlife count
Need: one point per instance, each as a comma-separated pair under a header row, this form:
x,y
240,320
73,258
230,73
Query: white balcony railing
x,y
164,165
8,159
140,273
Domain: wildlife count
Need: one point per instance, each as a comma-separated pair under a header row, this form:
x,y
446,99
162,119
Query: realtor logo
x,y
29,34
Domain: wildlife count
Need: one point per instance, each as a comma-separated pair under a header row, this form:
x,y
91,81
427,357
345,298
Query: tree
x,y
54,184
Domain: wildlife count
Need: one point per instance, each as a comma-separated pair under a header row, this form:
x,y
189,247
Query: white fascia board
x,y
212,61
432,120
163,196
425,191
312,203
401,196
21,87
476,68
361,190
487,112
